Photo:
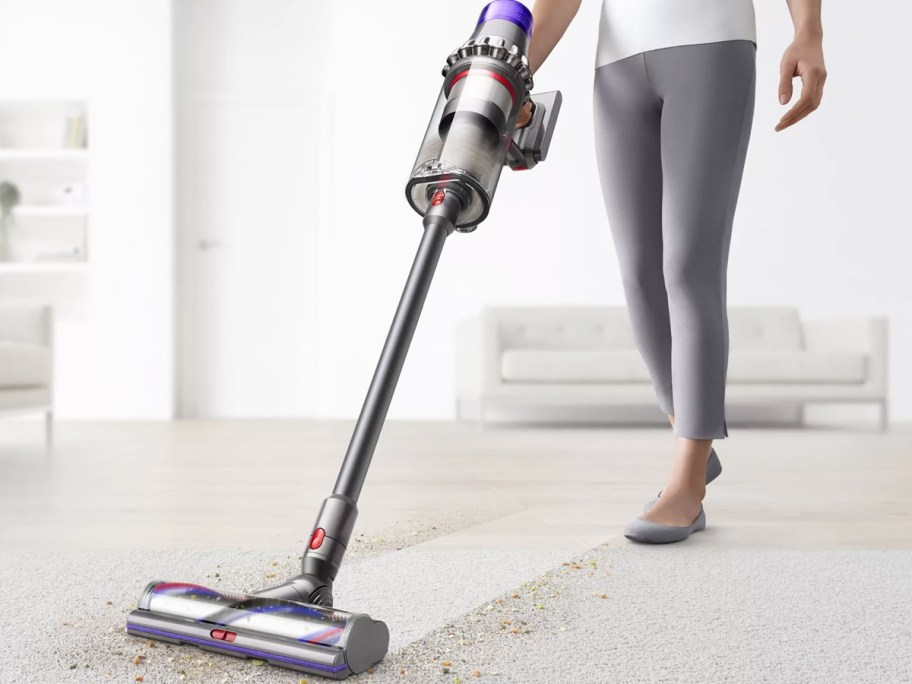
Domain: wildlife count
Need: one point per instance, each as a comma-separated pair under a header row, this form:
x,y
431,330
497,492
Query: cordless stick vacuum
x,y
471,137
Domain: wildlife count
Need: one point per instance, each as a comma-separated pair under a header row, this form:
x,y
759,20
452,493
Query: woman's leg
x,y
708,100
627,118
707,94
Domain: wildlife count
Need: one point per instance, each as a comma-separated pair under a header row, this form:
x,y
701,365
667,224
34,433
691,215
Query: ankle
x,y
686,489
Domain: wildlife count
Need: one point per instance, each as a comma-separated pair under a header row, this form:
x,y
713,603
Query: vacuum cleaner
x,y
472,135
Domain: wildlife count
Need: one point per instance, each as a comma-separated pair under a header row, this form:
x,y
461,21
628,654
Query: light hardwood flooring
x,y
258,484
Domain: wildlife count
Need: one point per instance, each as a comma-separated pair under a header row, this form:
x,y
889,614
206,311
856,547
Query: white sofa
x,y
586,356
27,362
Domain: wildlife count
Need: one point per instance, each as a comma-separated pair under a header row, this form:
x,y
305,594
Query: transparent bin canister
x,y
466,142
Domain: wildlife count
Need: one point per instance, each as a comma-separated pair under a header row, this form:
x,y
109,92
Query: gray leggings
x,y
671,134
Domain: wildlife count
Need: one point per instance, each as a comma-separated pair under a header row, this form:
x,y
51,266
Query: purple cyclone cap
x,y
511,10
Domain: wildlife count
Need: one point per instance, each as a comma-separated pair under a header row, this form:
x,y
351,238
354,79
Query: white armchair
x,y
586,356
27,362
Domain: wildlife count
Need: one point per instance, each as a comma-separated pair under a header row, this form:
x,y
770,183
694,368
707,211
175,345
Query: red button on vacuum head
x,y
230,636
218,634
317,538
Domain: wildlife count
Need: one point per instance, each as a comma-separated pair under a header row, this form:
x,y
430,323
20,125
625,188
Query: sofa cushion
x,y
575,366
766,367
764,327
565,328
24,365
755,366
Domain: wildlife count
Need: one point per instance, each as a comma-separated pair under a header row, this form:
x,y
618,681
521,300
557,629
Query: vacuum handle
x,y
530,143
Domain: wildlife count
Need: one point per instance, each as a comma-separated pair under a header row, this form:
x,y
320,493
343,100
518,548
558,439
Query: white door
x,y
247,198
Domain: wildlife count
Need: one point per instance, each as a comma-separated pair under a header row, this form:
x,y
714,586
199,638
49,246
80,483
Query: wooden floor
x,y
259,484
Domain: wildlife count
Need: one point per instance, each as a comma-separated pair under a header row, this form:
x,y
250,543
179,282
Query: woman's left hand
x,y
804,59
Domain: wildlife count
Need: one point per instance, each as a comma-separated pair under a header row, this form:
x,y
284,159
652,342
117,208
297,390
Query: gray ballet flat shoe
x,y
713,470
646,532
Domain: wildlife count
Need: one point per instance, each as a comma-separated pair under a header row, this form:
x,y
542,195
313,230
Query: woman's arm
x,y
550,21
803,58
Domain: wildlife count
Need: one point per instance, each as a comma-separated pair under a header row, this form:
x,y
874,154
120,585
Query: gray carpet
x,y
64,613
618,613
624,613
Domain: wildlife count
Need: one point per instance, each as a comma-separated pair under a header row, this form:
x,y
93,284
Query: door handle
x,y
206,245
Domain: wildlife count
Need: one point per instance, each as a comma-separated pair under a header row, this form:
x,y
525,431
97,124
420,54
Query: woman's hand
x,y
525,115
803,58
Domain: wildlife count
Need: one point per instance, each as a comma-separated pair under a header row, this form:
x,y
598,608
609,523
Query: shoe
x,y
713,470
646,532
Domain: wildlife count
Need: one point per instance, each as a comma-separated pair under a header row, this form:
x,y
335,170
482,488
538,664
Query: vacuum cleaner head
x,y
320,641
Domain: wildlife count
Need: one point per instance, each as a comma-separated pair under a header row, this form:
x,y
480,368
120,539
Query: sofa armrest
x,y
477,354
867,335
27,324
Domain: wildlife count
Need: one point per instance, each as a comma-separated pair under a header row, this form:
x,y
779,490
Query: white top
x,y
629,27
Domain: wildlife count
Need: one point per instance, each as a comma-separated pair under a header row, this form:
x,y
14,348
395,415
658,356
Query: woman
x,y
673,106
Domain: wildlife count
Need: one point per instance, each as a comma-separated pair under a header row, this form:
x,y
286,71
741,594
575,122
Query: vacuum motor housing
x,y
487,81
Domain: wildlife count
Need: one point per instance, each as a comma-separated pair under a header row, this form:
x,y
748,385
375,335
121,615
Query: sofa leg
x,y
49,428
802,416
884,416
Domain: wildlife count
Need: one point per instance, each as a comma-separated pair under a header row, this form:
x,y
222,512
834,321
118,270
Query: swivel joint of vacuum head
x,y
323,556
330,537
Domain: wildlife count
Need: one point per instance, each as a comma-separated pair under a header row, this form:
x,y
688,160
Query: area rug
x,y
617,613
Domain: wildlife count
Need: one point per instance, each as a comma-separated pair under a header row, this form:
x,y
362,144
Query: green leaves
x,y
9,197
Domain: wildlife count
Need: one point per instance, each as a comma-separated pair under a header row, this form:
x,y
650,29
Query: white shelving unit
x,y
27,154
43,267
44,153
52,211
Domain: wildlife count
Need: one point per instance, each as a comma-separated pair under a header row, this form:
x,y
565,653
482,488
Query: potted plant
x,y
9,198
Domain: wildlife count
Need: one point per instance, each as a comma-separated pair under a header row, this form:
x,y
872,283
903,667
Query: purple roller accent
x,y
309,637
239,649
299,610
182,589
509,10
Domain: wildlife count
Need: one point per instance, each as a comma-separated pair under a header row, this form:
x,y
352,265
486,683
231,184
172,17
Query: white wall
x,y
821,222
246,77
116,359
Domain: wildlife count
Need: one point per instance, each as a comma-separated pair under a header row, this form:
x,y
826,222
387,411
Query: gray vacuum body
x,y
471,137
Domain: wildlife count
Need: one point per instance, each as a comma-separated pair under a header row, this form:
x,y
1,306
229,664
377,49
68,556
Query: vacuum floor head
x,y
299,636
